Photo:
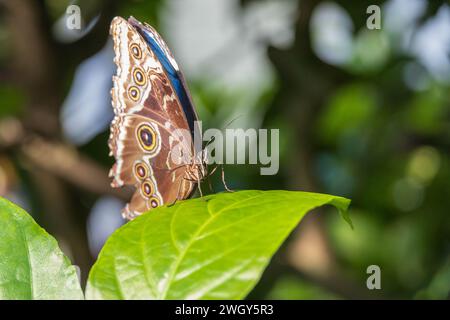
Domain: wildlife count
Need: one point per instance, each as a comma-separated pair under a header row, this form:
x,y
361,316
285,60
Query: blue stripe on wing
x,y
174,78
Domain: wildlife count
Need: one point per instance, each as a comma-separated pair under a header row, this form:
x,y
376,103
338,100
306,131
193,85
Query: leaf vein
x,y
193,238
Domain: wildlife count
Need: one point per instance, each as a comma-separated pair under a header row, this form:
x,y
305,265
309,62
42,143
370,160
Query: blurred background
x,y
362,113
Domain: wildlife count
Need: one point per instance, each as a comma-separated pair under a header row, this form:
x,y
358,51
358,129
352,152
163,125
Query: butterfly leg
x,y
173,203
208,176
177,198
210,185
223,180
213,170
199,188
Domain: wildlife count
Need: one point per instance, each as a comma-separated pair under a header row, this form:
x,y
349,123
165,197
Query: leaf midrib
x,y
194,236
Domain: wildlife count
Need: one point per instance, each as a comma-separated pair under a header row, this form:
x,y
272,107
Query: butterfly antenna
x,y
233,120
226,126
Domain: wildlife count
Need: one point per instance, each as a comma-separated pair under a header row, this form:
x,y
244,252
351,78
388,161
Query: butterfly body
x,y
151,103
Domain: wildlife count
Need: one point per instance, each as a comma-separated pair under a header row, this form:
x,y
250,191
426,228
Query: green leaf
x,y
215,247
31,264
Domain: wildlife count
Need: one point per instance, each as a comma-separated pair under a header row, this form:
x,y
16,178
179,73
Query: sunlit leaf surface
x,y
214,247
31,264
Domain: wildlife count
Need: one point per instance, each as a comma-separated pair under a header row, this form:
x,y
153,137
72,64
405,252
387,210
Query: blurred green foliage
x,y
12,101
374,128
295,288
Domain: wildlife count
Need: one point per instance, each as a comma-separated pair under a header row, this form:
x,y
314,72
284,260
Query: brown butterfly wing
x,y
147,112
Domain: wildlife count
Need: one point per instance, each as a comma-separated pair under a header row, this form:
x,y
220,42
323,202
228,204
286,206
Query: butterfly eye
x,y
147,188
133,93
154,202
136,51
141,171
138,76
147,137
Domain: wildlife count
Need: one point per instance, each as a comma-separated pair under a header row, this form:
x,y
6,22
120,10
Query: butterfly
x,y
151,104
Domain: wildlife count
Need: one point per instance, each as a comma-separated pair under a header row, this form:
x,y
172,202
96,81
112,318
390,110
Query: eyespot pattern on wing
x,y
135,50
141,170
147,188
139,76
154,202
148,137
134,93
